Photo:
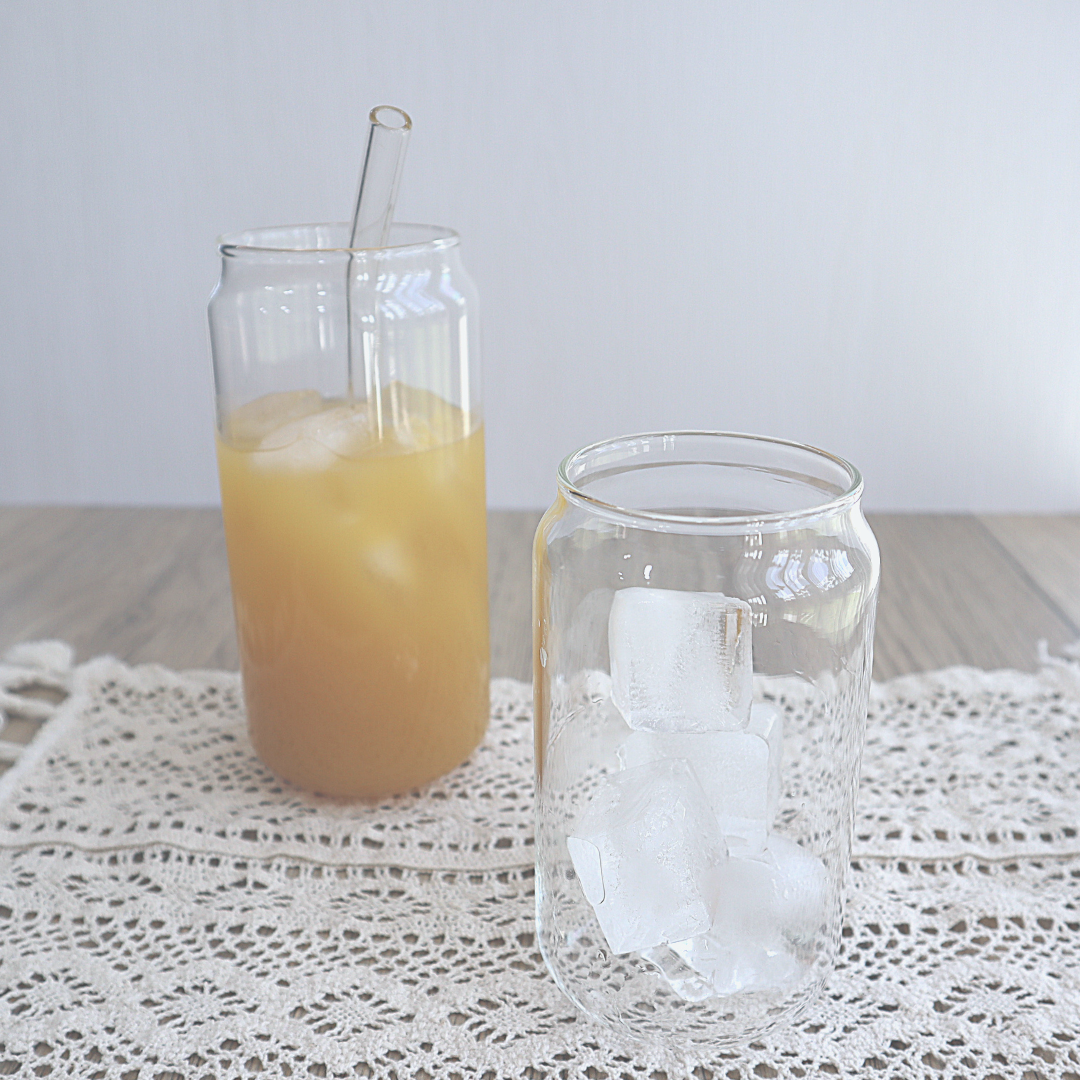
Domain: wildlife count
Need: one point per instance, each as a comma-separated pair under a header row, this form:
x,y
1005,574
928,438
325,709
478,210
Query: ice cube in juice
x,y
359,576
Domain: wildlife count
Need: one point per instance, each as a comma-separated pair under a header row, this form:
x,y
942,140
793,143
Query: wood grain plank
x,y
144,584
1047,548
951,595
510,536
151,584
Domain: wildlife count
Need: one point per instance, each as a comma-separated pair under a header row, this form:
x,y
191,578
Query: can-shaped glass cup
x,y
351,455
703,619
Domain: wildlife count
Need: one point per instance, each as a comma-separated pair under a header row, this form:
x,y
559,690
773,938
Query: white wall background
x,y
855,224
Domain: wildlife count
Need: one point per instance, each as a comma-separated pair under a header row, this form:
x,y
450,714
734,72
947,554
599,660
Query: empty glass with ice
x,y
704,614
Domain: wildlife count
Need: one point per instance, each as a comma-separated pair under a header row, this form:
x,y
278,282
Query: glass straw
x,y
373,213
380,177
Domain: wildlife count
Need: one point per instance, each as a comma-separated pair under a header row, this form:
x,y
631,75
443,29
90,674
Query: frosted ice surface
x,y
768,907
799,888
660,854
316,441
686,981
779,894
732,768
386,559
586,859
767,721
590,685
587,742
728,964
251,423
681,661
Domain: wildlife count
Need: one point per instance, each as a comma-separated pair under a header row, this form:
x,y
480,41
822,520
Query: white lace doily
x,y
168,909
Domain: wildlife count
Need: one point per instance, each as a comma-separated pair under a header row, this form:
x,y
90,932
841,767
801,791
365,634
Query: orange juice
x,y
357,551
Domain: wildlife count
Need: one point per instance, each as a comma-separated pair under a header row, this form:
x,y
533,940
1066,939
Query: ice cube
x,y
650,833
732,768
779,893
586,859
680,661
743,949
386,560
770,909
800,889
592,685
687,982
302,456
316,441
727,965
580,690
581,706
586,741
248,425
767,721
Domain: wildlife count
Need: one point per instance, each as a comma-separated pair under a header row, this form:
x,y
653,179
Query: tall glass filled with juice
x,y
351,455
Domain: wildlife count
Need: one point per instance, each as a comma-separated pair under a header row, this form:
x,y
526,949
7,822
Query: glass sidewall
x,y
357,552
810,577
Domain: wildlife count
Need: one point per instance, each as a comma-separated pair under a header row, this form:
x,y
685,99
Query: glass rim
x,y
836,504
238,242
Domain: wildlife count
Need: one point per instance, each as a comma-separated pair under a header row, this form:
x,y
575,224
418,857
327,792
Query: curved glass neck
x,y
294,311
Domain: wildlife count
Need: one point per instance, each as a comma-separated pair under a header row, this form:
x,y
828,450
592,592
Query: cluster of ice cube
x,y
300,431
674,849
316,441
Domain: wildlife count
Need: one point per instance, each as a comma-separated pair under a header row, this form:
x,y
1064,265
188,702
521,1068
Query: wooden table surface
x,y
151,584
